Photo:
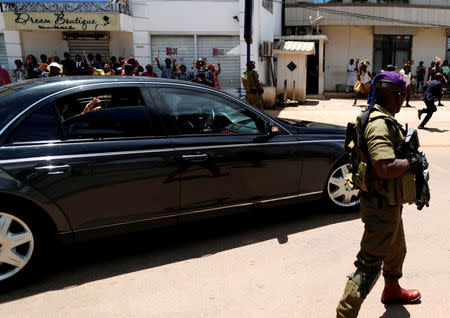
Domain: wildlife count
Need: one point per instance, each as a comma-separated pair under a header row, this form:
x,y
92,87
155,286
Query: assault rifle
x,y
409,148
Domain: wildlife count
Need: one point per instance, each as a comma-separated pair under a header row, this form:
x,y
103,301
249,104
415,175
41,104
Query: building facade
x,y
145,29
383,32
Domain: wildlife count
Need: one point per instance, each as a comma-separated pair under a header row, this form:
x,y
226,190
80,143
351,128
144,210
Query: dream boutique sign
x,y
61,21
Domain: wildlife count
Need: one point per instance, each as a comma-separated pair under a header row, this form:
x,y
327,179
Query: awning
x,y
295,47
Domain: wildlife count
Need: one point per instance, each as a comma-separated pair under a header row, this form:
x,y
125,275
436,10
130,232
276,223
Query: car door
x,y
110,166
225,157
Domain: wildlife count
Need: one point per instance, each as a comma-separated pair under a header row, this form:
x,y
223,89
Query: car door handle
x,y
51,169
197,158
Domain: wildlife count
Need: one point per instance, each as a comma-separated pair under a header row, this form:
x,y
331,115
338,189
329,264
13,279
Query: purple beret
x,y
391,77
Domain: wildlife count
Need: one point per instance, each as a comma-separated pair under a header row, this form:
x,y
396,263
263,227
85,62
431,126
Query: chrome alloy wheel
x,y
339,191
16,245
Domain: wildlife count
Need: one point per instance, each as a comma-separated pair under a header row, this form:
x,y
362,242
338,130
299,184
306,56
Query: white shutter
x,y
100,46
184,44
230,76
3,55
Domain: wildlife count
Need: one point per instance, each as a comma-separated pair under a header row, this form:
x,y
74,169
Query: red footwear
x,y
394,294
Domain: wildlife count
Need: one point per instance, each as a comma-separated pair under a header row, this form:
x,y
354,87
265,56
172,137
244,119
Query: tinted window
x,y
41,125
103,113
200,113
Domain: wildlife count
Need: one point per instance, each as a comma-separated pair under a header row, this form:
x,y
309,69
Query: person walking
x,y
386,184
433,92
252,86
420,77
363,84
351,77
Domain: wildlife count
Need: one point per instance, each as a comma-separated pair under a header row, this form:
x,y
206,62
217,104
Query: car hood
x,y
305,126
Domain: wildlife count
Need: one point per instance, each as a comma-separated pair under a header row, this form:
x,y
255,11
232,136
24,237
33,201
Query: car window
x,y
41,125
105,113
196,112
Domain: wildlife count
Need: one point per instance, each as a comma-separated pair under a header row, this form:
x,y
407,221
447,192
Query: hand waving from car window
x,y
90,107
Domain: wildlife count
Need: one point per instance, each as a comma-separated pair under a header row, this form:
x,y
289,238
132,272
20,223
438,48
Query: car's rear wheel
x,y
338,192
22,242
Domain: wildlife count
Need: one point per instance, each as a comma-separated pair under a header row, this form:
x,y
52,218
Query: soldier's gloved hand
x,y
416,161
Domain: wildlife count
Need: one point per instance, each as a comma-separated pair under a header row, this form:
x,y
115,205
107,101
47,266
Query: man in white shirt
x,y
351,75
406,73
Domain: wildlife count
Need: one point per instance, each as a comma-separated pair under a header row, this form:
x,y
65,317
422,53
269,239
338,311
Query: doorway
x,y
312,71
391,49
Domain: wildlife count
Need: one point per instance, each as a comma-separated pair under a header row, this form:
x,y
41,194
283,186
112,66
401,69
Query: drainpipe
x,y
283,17
248,16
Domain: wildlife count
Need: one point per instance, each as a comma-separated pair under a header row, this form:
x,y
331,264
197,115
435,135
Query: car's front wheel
x,y
338,192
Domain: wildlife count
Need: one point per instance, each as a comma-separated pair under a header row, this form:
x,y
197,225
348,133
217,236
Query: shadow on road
x,y
436,130
91,261
396,311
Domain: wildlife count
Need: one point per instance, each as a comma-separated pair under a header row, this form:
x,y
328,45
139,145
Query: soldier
x,y
386,183
253,88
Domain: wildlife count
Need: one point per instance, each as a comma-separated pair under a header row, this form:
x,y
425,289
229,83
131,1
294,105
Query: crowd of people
x,y
358,77
53,66
431,83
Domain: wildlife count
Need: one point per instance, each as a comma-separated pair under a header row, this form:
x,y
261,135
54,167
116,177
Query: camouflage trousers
x,y
382,247
254,99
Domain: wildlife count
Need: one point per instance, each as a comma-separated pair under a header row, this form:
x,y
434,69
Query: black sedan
x,y
89,156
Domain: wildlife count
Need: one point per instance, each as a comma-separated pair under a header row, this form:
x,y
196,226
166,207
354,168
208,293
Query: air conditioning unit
x,y
267,49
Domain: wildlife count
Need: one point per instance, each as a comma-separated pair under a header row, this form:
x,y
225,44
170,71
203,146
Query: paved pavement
x,y
283,263
340,111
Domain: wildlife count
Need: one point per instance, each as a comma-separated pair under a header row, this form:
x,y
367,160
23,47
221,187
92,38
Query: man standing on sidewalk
x,y
252,86
386,183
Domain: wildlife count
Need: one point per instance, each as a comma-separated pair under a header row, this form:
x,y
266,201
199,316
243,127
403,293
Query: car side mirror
x,y
272,130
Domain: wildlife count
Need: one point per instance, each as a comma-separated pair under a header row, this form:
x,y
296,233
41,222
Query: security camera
x,y
236,18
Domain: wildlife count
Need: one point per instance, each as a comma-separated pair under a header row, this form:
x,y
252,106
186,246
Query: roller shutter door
x,y
230,76
184,44
89,46
3,55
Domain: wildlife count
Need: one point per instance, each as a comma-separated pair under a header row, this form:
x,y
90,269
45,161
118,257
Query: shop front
x,y
215,49
83,28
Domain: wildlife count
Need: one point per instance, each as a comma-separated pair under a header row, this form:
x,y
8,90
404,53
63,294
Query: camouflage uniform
x,y
383,243
250,81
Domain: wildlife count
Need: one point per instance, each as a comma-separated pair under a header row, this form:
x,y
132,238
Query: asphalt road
x,y
281,263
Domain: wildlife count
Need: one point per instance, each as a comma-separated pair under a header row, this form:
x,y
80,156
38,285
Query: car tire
x,y
337,193
24,242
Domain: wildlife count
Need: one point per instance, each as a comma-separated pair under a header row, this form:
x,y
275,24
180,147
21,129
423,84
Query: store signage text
x,y
60,21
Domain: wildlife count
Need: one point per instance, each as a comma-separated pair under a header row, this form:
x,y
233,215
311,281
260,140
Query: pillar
x,y
141,47
13,46
321,72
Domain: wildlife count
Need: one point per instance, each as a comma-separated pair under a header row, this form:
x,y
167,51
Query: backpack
x,y
356,148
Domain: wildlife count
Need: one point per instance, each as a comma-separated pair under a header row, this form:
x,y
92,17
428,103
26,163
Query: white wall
x,y
427,44
120,41
344,43
187,17
270,25
297,16
38,42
